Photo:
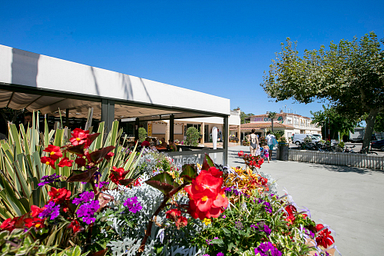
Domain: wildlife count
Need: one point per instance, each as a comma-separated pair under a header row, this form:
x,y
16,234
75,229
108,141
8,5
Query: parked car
x,y
379,144
298,139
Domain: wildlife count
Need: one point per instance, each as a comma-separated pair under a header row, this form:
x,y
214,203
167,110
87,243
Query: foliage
x,y
193,136
282,139
350,75
142,134
243,116
336,122
45,209
155,207
278,133
379,123
272,115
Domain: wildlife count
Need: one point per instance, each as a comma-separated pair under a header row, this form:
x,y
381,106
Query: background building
x,y
288,122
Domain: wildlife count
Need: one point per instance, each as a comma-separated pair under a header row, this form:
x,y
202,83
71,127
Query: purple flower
x,y
102,184
133,205
267,249
85,197
267,205
239,225
51,211
224,216
49,179
228,189
86,211
220,254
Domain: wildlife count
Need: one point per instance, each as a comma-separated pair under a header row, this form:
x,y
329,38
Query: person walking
x,y
254,142
270,142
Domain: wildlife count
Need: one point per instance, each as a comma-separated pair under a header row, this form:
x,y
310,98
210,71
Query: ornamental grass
x,y
87,196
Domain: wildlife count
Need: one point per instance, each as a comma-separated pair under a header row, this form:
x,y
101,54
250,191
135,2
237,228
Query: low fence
x,y
334,158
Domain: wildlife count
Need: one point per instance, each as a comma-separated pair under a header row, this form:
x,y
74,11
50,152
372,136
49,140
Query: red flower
x,y
175,215
8,224
80,161
109,155
207,199
137,182
117,174
79,137
54,152
323,237
240,154
58,196
48,161
35,210
65,162
34,222
181,222
75,226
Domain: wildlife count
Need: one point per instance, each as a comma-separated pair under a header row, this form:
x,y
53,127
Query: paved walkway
x,y
350,200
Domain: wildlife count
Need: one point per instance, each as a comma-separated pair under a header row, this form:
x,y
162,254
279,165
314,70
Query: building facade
x,y
288,122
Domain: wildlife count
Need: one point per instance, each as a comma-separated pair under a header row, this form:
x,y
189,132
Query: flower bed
x,y
109,201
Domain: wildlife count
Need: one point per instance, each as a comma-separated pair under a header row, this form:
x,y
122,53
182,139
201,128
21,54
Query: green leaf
x,y
189,172
163,182
207,163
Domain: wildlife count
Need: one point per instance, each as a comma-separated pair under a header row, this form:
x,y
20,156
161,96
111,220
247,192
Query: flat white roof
x,y
22,69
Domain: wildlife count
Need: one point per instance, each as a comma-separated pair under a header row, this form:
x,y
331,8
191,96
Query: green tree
x,y
243,116
272,115
379,123
333,120
350,75
142,134
193,136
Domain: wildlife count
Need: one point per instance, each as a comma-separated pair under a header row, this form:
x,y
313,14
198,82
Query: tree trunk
x,y
370,123
272,124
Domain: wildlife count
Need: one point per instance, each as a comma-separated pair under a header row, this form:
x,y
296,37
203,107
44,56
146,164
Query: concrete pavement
x,y
349,200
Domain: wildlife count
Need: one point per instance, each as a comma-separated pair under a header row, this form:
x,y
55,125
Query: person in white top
x,y
254,142
270,141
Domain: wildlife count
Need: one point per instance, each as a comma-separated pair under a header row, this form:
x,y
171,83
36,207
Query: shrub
x,y
193,136
142,134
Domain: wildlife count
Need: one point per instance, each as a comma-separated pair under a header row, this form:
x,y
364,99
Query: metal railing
x,y
335,158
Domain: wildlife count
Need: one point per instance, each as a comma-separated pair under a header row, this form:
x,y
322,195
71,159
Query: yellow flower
x,y
207,221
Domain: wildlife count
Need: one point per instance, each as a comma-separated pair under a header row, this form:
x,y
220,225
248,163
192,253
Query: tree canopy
x,y
350,75
336,121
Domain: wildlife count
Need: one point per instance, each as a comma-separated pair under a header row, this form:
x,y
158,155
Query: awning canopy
x,y
38,82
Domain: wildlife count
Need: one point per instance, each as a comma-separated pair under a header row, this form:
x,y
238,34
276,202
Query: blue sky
x,y
217,47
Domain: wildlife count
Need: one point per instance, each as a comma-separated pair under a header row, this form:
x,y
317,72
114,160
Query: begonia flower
x,y
58,196
48,161
65,162
54,152
79,137
34,222
35,210
75,226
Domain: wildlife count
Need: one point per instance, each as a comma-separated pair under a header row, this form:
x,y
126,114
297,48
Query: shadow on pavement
x,y
336,168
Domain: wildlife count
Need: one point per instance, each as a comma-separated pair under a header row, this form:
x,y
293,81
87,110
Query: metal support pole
x,y
137,122
67,117
172,128
225,140
107,113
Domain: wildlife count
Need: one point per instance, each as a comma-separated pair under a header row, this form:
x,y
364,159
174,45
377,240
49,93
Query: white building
x,y
288,122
